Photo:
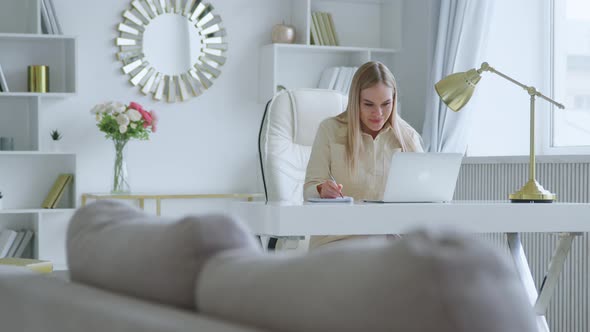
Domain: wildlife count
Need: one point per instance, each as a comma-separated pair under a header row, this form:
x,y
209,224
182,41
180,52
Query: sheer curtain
x,y
462,30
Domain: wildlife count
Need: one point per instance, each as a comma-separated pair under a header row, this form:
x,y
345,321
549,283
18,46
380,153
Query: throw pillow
x,y
116,247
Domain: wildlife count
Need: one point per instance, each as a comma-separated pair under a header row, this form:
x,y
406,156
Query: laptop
x,y
422,177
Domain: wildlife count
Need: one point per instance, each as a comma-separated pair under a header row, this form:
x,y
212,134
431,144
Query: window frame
x,y
546,122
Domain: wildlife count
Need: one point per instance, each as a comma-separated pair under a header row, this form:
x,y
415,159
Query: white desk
x,y
568,219
285,219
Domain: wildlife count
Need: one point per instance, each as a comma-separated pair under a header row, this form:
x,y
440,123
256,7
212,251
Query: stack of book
x,y
52,199
337,78
3,85
32,264
49,22
323,31
14,243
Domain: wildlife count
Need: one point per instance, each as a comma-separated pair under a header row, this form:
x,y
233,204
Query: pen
x,y
332,177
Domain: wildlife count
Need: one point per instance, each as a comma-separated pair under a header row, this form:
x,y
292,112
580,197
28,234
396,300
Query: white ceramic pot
x,y
282,33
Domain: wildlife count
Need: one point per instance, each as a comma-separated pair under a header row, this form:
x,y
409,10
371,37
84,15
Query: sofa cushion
x,y
32,302
116,247
427,281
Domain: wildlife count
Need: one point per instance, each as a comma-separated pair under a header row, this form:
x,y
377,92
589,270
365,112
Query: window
x,y
571,73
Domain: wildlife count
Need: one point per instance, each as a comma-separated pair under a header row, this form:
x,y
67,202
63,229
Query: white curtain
x,y
462,30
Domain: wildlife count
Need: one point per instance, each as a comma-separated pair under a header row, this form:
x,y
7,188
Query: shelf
x,y
377,2
321,48
367,30
35,153
37,94
34,36
29,172
31,211
58,52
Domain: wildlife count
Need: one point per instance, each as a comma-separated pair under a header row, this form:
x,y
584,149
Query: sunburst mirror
x,y
172,49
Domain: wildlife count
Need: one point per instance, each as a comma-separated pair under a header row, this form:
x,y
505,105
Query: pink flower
x,y
154,120
135,106
147,117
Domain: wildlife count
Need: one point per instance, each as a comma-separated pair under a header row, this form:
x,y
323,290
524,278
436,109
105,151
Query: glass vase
x,y
120,175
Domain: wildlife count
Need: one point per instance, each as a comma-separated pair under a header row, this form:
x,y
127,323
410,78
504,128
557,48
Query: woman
x,y
352,151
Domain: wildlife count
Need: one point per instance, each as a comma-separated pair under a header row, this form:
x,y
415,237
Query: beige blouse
x,y
328,154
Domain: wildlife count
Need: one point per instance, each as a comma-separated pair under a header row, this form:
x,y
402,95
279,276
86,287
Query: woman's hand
x,y
330,189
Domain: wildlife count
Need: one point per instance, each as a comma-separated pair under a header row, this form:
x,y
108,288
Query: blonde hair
x,y
368,75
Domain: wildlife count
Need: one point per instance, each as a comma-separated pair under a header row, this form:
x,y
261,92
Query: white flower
x,y
97,109
123,120
133,115
114,108
119,108
122,129
133,126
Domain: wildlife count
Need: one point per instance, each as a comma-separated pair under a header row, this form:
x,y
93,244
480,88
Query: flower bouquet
x,y
122,123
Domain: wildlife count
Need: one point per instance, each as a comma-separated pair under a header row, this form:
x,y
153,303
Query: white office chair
x,y
288,129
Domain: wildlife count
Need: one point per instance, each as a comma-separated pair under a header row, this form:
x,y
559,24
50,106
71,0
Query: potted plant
x,y
55,137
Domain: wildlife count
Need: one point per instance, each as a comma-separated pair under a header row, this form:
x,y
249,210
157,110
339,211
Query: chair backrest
x,y
287,132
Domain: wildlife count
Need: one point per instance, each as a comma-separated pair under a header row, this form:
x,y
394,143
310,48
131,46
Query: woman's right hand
x,y
330,189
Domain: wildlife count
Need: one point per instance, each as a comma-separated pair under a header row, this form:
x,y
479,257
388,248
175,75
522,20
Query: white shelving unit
x,y
367,30
28,172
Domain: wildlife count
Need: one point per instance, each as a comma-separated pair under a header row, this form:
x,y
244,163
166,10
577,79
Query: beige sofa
x,y
133,272
31,302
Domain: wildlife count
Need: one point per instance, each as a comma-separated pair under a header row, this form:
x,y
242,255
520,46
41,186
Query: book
x,y
333,29
7,237
33,264
323,29
329,32
24,244
314,17
345,199
315,38
351,72
45,22
50,16
328,78
344,79
340,84
3,84
61,192
57,26
56,191
15,243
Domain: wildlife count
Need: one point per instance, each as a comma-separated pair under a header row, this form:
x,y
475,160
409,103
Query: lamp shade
x,y
456,89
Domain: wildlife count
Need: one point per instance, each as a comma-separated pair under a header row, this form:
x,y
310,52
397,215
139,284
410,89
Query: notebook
x,y
421,177
345,199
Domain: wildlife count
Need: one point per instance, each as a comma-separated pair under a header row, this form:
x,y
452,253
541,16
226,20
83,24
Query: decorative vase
x,y
54,146
120,175
282,33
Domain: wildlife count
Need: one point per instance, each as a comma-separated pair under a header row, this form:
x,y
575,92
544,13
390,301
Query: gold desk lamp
x,y
456,89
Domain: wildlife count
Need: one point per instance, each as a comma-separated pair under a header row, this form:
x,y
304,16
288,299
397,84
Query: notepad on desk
x,y
345,199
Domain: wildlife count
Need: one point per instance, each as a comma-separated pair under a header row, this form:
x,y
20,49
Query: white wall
x,y
208,144
517,46
204,145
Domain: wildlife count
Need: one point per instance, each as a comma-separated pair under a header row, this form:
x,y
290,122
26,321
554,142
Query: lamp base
x,y
532,192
